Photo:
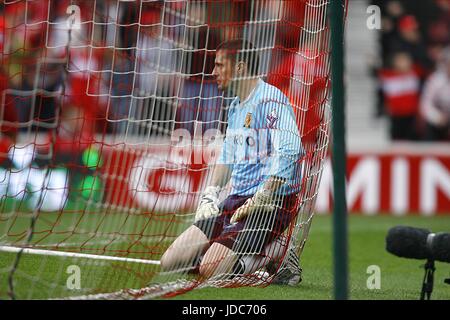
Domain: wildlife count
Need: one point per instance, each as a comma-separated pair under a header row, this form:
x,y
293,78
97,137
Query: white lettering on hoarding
x,y
399,186
325,188
365,181
433,177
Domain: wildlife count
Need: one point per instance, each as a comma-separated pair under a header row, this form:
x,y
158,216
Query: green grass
x,y
400,278
39,277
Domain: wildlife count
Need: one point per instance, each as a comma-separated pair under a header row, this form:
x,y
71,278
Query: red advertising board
x,y
396,184
164,179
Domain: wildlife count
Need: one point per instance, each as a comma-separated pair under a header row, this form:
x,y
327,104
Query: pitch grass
x,y
400,278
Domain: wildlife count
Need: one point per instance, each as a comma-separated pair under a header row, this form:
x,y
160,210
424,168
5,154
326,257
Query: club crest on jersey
x,y
271,119
248,120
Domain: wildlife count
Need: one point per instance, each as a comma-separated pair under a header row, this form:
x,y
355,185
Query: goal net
x,y
110,120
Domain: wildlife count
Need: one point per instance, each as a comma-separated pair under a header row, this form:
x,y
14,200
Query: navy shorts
x,y
251,234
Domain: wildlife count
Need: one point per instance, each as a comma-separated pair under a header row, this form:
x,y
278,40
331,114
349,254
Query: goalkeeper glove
x,y
262,200
209,204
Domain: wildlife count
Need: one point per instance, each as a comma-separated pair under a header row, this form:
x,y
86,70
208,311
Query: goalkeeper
x,y
260,158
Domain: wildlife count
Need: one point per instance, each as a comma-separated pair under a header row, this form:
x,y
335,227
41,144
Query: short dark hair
x,y
241,50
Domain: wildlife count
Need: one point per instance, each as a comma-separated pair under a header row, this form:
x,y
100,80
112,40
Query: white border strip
x,y
74,255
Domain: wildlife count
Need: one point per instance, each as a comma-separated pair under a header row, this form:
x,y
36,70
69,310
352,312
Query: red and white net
x,y
92,92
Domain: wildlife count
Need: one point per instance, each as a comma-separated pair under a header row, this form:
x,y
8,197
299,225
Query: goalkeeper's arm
x,y
209,202
221,175
263,199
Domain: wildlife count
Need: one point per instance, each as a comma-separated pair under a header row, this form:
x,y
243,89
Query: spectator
x,y
157,62
8,119
121,92
200,105
36,100
435,102
439,29
393,11
85,92
409,39
156,56
75,132
401,89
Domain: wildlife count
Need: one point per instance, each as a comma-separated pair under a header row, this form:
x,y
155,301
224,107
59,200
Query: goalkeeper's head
x,y
236,60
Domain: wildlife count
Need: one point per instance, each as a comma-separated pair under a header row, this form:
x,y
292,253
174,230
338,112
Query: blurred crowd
x,y
136,69
108,66
414,69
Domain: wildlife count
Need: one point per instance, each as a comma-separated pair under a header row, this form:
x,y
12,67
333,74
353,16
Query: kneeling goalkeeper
x,y
261,158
